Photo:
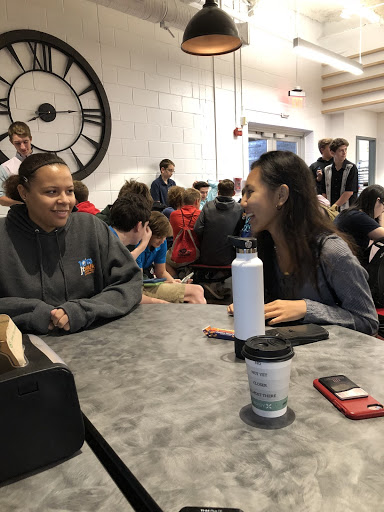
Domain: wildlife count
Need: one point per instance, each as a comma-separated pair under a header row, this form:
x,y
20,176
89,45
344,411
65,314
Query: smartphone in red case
x,y
349,398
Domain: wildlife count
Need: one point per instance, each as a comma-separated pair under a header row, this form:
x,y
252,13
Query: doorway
x,y
261,142
366,161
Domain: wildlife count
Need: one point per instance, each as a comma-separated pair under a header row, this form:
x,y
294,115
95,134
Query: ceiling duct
x,y
172,13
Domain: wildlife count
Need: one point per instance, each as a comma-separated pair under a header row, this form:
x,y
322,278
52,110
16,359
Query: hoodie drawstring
x,y
40,250
62,267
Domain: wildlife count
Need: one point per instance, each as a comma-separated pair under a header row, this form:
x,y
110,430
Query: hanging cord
x,y
361,39
214,115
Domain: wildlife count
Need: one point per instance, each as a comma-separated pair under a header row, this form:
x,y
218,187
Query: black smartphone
x,y
342,387
209,509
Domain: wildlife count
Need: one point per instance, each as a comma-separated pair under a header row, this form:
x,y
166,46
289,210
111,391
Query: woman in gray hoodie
x,y
59,269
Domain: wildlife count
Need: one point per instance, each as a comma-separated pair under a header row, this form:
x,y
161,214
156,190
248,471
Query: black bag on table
x,y
41,422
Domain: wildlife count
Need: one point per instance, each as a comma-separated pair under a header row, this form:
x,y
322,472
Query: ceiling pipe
x,y
174,13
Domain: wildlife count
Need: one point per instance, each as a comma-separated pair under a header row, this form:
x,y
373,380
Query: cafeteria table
x,y
77,484
174,405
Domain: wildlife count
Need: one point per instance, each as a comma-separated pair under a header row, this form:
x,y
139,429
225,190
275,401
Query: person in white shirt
x,y
20,136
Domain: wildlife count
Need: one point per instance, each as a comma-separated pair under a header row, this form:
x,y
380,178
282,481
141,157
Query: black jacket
x,y
218,219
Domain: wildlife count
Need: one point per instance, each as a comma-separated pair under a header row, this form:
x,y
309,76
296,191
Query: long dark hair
x,y
367,200
303,223
27,171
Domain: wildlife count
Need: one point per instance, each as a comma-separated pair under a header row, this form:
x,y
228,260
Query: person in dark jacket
x,y
321,163
363,221
58,269
218,219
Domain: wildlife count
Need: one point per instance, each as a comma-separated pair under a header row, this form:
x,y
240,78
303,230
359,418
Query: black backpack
x,y
375,270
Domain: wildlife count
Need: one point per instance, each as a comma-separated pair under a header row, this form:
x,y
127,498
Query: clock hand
x,y
49,112
66,111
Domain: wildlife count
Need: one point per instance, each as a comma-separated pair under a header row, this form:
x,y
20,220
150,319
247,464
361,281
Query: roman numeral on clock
x,y
78,161
41,59
93,116
4,104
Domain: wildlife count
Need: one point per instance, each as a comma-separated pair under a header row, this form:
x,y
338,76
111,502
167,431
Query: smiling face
x,y
204,192
50,197
23,144
261,204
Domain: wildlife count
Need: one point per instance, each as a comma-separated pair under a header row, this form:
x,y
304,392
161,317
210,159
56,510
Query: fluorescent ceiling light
x,y
317,53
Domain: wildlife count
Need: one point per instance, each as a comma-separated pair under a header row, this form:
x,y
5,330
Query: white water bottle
x,y
248,292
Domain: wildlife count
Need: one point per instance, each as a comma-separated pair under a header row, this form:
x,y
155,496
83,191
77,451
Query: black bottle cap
x,y
243,243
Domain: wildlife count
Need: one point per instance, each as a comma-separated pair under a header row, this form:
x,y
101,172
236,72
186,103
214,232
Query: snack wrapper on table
x,y
223,334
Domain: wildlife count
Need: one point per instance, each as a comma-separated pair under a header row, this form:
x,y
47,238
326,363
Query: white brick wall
x,y
161,99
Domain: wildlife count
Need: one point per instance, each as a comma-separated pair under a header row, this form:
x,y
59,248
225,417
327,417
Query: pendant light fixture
x,y
211,31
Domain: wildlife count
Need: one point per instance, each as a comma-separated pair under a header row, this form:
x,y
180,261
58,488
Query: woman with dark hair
x,y
59,269
310,274
363,220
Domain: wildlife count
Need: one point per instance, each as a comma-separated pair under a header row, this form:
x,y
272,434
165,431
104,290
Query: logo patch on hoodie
x,y
86,267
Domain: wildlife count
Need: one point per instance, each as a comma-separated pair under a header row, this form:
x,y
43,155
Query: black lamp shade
x,y
211,31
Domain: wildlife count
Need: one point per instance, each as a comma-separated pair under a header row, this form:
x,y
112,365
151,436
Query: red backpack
x,y
184,249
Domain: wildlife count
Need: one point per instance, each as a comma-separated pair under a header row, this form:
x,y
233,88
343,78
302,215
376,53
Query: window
x,y
259,143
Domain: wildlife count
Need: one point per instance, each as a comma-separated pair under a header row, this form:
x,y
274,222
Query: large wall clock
x,y
47,84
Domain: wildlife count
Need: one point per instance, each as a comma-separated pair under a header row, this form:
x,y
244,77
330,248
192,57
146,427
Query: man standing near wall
x,y
161,185
20,136
340,182
318,167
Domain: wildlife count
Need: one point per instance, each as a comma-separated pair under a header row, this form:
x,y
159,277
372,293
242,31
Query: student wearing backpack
x,y
363,220
185,248
155,254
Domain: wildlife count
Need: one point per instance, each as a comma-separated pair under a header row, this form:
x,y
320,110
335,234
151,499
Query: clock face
x,y
47,84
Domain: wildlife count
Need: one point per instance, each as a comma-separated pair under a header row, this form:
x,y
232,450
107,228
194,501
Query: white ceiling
x,y
325,11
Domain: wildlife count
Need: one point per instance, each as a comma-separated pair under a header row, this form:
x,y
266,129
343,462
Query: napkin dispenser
x,y
41,422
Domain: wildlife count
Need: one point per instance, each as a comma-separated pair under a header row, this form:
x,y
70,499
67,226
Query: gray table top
x,y
79,484
168,400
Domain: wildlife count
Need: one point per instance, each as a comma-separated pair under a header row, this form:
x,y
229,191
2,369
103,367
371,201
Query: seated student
x,y
59,269
81,195
218,219
129,218
186,216
203,188
363,221
130,187
155,254
175,200
20,137
310,274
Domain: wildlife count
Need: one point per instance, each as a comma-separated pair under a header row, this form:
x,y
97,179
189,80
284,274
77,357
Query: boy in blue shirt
x,y
129,222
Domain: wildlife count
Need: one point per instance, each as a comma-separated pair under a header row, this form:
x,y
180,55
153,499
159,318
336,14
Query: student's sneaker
x,y
212,289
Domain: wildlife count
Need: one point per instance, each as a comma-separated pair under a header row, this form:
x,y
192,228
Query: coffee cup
x,y
268,360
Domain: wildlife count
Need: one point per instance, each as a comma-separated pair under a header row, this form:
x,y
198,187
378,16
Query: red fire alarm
x,y
237,132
